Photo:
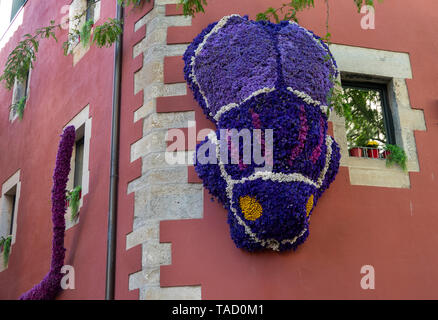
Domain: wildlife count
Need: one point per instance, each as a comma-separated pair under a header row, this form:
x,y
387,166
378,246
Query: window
x,y
369,126
365,66
91,6
79,157
79,164
16,5
10,195
19,97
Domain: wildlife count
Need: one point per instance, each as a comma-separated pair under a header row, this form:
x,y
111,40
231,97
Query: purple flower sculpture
x,y
259,76
49,287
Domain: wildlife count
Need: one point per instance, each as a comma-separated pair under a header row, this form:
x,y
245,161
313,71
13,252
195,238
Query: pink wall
x,y
58,91
392,229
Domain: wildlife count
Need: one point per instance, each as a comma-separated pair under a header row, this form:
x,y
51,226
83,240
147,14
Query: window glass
x,y
8,208
13,199
368,119
79,162
16,5
90,10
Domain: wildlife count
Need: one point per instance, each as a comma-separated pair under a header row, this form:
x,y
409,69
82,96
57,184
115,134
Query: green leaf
x,y
261,16
6,243
396,155
74,199
107,33
18,107
85,32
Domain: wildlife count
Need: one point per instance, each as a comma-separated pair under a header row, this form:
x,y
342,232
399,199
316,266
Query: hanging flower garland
x,y
49,287
260,75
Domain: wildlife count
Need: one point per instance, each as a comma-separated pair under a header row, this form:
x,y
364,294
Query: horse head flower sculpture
x,y
260,75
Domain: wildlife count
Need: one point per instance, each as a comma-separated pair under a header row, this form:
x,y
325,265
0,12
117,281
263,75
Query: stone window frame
x,y
13,182
77,49
390,68
82,123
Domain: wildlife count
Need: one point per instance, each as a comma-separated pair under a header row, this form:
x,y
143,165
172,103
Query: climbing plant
x,y
73,197
396,155
363,123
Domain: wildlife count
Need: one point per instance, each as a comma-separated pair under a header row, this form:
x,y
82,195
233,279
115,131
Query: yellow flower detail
x,y
251,208
372,144
309,205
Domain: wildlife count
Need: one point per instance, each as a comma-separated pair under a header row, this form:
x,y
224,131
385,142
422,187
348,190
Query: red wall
x,y
58,91
392,229
352,226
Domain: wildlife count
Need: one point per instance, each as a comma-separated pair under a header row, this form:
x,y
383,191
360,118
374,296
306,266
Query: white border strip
x,y
304,96
233,105
308,99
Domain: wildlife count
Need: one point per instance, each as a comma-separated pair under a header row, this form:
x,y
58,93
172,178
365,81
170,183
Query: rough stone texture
x,y
396,68
371,61
172,293
162,192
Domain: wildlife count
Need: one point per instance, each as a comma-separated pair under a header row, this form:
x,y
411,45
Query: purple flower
x,y
245,76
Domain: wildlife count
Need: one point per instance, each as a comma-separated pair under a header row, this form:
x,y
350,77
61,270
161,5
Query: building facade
x,y
173,242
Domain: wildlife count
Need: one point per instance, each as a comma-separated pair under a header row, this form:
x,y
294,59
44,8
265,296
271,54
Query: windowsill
x,y
10,209
370,171
374,172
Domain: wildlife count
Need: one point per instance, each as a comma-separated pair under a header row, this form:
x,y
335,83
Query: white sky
x,y
5,15
6,28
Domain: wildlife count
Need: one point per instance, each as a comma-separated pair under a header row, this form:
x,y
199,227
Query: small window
x,y
78,157
16,6
79,175
10,195
79,162
91,6
80,11
368,121
10,200
9,204
19,97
